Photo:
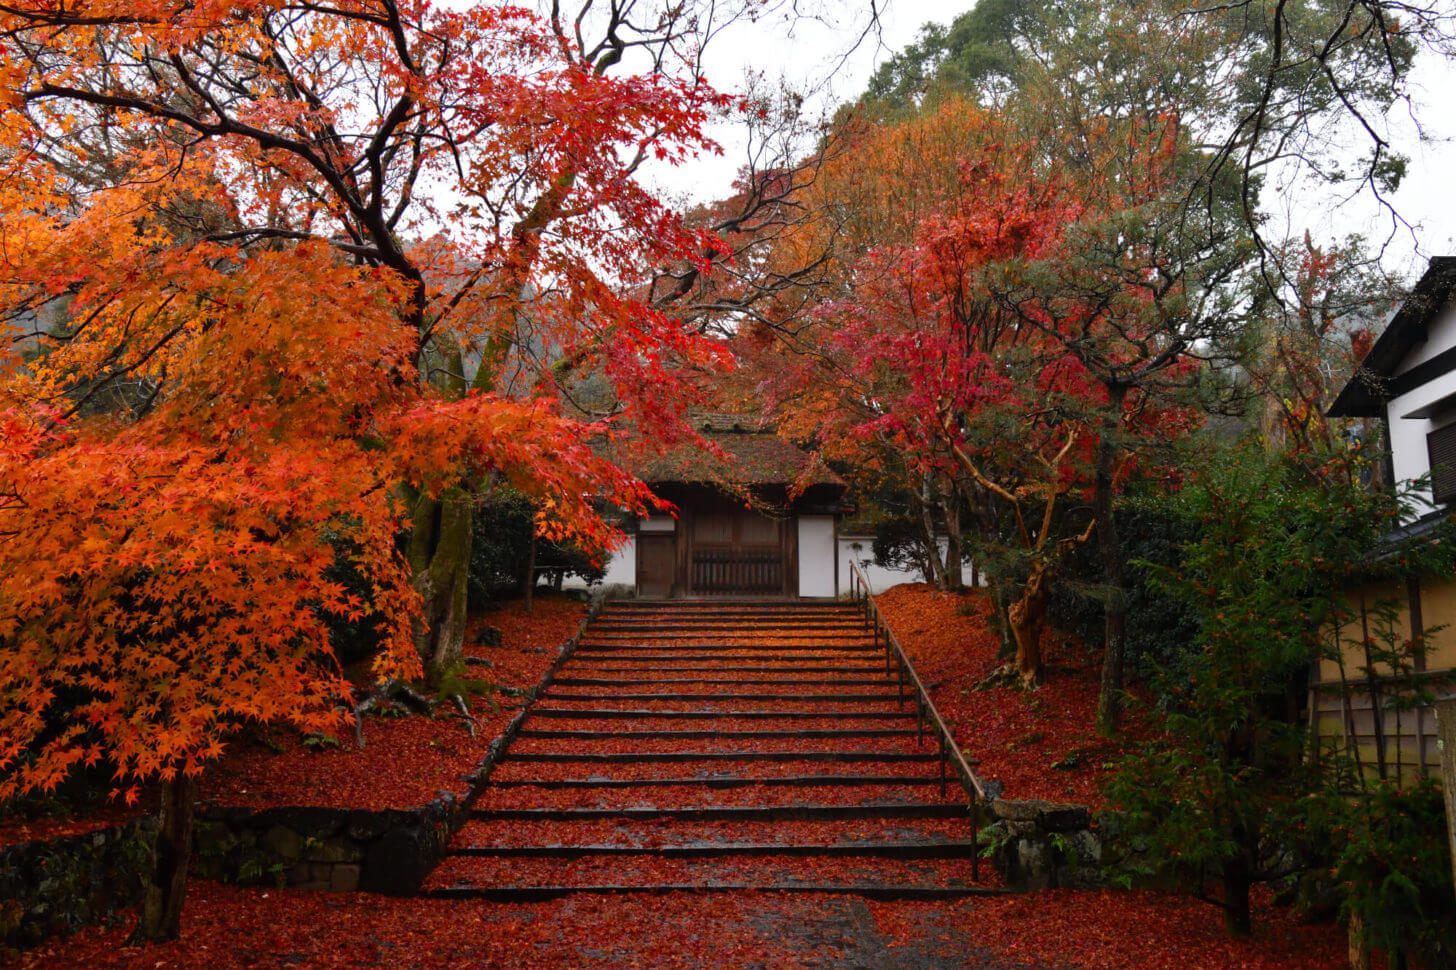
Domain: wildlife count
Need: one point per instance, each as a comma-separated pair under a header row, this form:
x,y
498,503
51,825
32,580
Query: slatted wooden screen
x,y
1441,446
737,572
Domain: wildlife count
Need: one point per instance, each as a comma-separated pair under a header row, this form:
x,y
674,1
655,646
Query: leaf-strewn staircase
x,y
715,745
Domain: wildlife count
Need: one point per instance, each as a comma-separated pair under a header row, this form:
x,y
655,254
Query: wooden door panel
x,y
656,564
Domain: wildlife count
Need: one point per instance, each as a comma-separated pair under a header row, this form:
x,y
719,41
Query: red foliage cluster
x,y
1040,744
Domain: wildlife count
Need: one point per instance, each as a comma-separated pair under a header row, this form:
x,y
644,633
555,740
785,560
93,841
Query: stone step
x,y
903,849
707,735
630,757
865,890
743,813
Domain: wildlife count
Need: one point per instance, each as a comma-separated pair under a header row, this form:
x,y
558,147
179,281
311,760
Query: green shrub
x,y
1394,871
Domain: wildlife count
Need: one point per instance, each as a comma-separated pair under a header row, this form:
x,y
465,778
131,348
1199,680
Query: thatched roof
x,y
754,457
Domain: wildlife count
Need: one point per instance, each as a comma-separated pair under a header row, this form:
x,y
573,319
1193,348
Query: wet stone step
x,y
736,813
749,715
872,891
724,782
697,796
598,666
639,682
727,695
629,757
695,735
606,869
908,849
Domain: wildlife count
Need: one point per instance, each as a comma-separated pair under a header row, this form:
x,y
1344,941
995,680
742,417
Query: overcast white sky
x,y
821,54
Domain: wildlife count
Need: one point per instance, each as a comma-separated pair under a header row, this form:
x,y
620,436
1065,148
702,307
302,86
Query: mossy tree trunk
x,y
439,558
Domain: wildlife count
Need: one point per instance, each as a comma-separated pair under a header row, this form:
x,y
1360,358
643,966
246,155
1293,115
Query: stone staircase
x,y
712,745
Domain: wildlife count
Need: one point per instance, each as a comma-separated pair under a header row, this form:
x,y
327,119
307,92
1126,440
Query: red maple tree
x,y
290,278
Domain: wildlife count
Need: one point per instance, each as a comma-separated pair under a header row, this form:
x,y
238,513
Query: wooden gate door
x,y
656,562
738,552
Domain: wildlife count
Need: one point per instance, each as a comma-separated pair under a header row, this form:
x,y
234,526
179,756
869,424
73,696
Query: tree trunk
x,y
1027,618
936,575
166,886
1446,733
1358,947
1001,601
1114,569
528,581
439,558
954,568
1238,918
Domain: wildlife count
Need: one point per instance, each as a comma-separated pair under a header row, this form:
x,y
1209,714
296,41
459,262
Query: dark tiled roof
x,y
1366,393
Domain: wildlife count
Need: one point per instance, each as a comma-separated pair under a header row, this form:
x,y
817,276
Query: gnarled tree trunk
x,y
1027,619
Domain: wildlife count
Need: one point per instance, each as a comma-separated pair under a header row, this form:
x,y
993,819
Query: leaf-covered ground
x,y
1040,744
405,760
228,927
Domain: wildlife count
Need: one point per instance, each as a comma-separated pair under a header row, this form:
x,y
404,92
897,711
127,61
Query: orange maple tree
x,y
285,279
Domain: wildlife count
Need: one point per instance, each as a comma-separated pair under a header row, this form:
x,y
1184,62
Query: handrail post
x,y
976,842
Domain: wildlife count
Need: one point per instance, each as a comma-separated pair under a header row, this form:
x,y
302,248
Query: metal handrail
x,y
950,752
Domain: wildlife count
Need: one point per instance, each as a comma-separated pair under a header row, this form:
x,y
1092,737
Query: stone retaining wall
x,y
325,848
59,885
1044,845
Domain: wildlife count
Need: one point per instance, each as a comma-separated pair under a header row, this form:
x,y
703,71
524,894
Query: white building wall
x,y
621,567
816,555
816,565
1408,454
860,549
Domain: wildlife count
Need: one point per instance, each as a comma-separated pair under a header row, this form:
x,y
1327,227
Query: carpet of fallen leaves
x,y
20,829
230,927
1039,744
1110,930
227,927
405,760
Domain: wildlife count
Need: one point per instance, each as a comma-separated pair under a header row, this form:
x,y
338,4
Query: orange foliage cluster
x,y
405,761
244,241
1039,744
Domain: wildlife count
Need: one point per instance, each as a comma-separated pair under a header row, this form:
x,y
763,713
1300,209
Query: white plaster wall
x,y
621,568
816,555
1441,336
1408,435
860,549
